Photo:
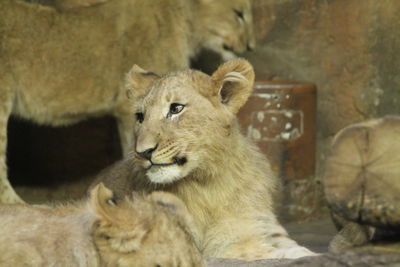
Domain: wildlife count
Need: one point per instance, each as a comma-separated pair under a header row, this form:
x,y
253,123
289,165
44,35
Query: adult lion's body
x,y
188,142
60,67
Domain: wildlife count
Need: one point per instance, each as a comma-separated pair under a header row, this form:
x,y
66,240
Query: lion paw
x,y
295,252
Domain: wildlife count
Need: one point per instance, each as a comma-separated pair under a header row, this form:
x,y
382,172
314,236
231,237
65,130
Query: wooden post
x,y
362,175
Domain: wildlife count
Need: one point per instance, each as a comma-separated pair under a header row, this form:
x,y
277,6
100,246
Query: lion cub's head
x,y
225,26
185,119
152,230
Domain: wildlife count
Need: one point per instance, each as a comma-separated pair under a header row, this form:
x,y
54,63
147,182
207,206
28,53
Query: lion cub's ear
x,y
234,81
102,202
119,224
137,81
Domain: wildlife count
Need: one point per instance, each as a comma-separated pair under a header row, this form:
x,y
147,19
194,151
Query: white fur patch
x,y
165,175
292,253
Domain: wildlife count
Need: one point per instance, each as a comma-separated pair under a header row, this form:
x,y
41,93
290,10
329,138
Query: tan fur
x,y
139,231
200,155
61,67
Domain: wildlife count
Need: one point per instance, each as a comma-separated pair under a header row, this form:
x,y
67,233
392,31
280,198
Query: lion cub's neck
x,y
232,158
236,166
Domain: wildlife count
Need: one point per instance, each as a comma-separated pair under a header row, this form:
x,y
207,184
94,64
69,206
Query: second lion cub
x,y
152,230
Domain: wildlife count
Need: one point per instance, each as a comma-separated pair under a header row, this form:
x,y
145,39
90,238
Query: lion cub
x,y
188,142
152,230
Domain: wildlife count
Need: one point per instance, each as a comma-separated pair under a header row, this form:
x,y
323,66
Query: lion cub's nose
x,y
147,153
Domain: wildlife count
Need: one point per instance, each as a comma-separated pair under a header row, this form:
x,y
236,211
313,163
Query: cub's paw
x,y
293,253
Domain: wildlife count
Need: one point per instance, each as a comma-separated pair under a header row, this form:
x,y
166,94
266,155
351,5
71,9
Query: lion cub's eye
x,y
239,14
175,108
139,116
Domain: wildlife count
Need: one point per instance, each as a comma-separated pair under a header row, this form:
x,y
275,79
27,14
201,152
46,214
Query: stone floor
x,y
314,235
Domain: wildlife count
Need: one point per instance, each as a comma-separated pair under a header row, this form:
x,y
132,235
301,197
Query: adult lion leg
x,y
7,193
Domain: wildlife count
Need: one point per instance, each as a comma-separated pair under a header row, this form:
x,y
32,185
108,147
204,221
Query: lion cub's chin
x,y
165,174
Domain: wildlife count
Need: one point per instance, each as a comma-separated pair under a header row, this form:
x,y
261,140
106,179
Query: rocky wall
x,y
348,48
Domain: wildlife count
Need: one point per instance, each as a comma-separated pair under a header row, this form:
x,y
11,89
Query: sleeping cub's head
x,y
225,26
186,121
152,230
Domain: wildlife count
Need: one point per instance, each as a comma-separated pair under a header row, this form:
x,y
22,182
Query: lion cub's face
x,y
184,117
226,26
152,230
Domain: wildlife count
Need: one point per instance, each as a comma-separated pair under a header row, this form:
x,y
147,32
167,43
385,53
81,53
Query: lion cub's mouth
x,y
180,161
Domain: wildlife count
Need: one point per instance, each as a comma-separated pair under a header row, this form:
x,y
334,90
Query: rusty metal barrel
x,y
280,116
